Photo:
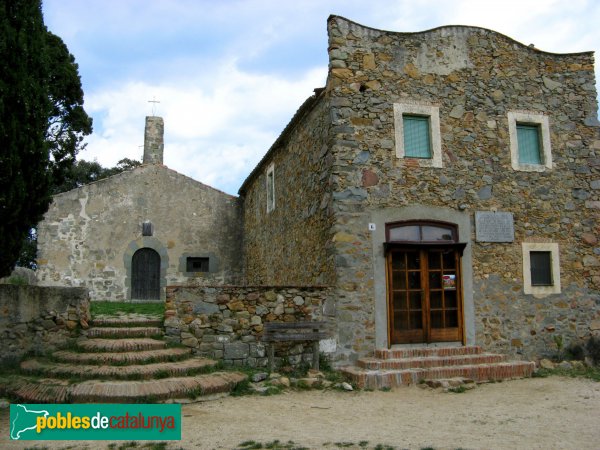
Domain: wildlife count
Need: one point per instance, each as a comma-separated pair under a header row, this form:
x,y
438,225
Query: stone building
x,y
128,236
443,184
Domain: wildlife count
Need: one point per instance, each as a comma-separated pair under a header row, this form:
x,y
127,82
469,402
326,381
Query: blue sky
x,y
230,74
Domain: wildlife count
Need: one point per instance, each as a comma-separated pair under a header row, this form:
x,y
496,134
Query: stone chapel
x,y
443,187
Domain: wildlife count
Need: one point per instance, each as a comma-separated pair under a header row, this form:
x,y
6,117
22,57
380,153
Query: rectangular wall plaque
x,y
494,226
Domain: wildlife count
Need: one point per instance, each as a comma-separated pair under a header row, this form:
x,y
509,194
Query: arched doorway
x,y
424,282
145,275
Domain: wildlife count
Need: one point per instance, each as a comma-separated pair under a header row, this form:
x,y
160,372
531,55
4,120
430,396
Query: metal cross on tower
x,y
154,102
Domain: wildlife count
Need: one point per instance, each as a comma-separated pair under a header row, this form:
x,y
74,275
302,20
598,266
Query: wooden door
x,y
424,296
145,275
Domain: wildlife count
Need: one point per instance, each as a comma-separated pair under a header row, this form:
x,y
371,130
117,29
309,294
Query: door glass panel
x,y
416,320
451,319
437,319
449,260
432,233
415,300
450,299
401,321
435,280
435,299
398,261
399,279
435,260
407,233
414,260
400,301
414,280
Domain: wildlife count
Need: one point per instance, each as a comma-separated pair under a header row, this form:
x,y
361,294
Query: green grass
x,y
114,308
592,373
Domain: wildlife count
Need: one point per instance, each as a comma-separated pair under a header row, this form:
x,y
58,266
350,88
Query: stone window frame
x,y
530,118
418,109
552,248
270,185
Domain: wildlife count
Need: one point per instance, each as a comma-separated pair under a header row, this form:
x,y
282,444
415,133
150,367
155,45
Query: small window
x,y
421,232
271,188
541,268
417,133
417,140
147,228
529,135
528,138
195,264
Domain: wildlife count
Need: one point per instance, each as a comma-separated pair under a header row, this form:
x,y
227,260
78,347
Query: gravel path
x,y
538,413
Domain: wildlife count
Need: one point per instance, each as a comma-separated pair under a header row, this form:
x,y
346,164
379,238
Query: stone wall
x,y
39,319
475,77
226,322
292,243
89,234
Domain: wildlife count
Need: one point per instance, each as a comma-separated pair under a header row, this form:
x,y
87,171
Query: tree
x,y
84,172
42,121
24,111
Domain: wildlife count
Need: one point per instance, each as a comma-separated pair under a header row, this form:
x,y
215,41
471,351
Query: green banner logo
x,y
95,422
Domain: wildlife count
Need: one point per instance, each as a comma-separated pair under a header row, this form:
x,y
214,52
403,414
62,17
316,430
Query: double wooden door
x,y
424,295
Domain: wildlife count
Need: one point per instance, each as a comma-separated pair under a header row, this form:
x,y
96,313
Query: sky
x,y
230,74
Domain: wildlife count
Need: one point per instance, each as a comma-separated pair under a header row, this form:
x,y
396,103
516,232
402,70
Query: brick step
x,y
127,323
120,345
120,332
190,366
377,379
168,389
420,352
178,390
122,358
429,361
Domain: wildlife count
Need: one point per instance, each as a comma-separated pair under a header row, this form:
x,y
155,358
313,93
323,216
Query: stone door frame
x,y
154,244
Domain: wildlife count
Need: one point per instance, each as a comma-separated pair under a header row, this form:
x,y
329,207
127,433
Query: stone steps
x,y
123,332
127,322
116,349
167,390
120,345
122,358
429,361
408,366
190,366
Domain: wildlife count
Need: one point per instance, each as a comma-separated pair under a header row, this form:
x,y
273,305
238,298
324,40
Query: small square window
x,y
528,138
196,264
417,138
529,134
271,188
417,133
541,268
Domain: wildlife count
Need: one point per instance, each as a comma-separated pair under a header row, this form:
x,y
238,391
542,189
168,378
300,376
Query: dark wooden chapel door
x,y
145,275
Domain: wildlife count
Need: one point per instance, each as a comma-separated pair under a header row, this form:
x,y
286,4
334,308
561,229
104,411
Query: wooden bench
x,y
295,331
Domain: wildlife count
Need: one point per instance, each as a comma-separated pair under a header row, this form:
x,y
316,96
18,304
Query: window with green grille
x,y
528,138
417,138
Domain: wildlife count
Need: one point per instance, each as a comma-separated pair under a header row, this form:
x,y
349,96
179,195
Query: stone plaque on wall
x,y
494,226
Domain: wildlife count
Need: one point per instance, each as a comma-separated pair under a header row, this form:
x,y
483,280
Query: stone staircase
x,y
407,366
122,359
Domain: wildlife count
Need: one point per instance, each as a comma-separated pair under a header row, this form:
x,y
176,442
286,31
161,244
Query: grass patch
x,y
114,308
591,373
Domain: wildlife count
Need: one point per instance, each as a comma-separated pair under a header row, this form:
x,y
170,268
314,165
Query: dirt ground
x,y
538,413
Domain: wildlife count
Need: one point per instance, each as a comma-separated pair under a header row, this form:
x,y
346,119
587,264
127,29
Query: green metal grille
x,y
528,137
417,140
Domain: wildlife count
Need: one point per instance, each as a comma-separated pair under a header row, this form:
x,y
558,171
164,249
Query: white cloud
x,y
217,127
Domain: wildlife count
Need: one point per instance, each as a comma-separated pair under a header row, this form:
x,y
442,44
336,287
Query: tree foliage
x,y
42,121
84,172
